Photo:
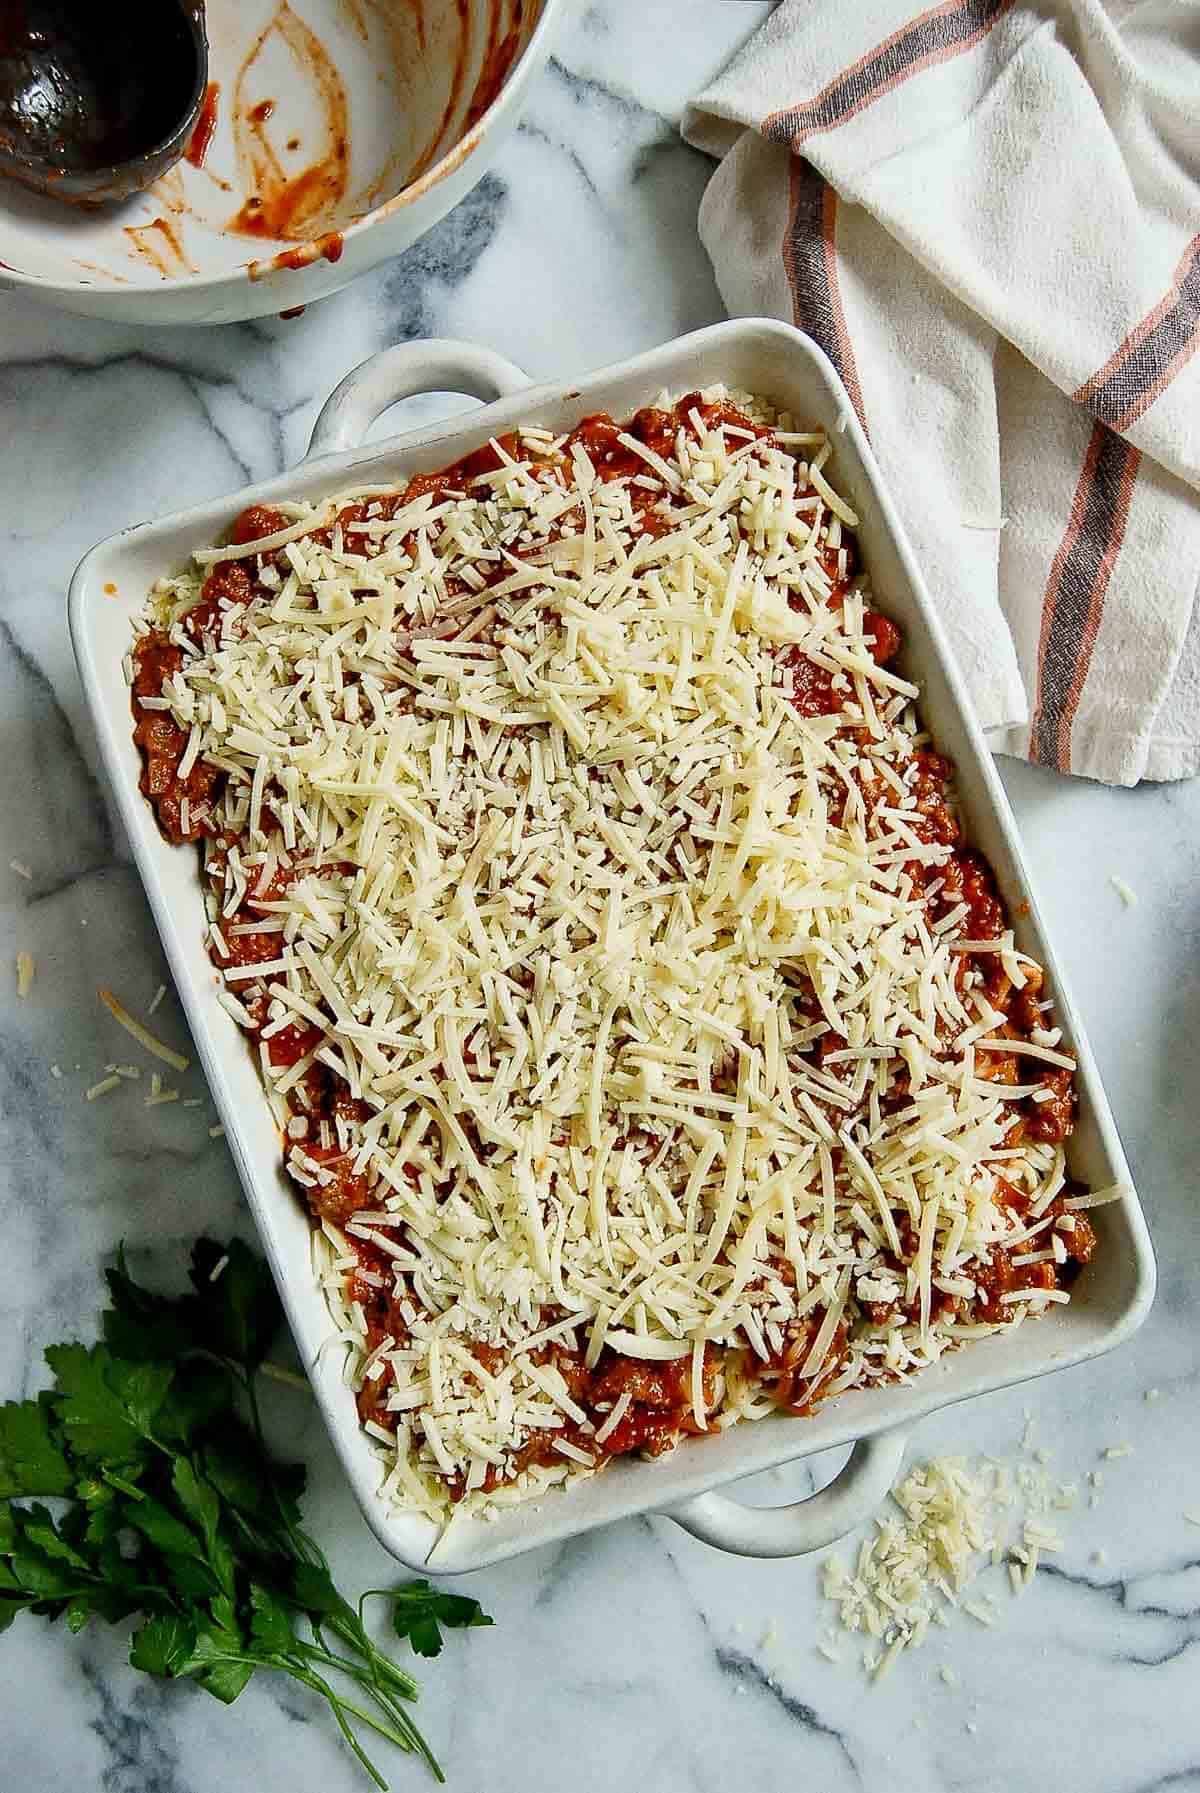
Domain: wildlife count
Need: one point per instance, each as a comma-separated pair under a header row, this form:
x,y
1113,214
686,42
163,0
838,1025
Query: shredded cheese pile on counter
x,y
952,1521
570,890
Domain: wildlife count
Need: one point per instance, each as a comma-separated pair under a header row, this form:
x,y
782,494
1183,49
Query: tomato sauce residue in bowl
x,y
499,55
291,204
161,245
206,124
279,203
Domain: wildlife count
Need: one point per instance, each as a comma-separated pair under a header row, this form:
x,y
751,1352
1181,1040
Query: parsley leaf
x,y
232,1310
271,1623
222,1677
419,1610
233,1465
237,1308
218,1662
40,1532
172,1508
198,1499
170,1646
31,1459
104,1422
141,1326
205,1394
168,1534
313,1589
163,1645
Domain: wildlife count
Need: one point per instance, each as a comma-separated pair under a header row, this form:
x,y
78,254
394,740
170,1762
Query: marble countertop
x,y
636,1656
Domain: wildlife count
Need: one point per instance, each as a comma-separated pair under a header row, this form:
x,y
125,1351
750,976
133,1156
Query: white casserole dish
x,y
1113,1296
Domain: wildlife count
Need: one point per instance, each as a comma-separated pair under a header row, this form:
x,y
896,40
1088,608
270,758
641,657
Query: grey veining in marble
x,y
635,1658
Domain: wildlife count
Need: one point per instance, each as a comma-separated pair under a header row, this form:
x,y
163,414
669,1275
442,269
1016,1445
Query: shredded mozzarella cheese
x,y
623,961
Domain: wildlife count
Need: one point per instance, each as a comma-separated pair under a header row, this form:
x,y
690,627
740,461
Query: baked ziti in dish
x,y
649,1046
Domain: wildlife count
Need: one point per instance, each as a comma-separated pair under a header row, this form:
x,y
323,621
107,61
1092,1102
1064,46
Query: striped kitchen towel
x,y
988,216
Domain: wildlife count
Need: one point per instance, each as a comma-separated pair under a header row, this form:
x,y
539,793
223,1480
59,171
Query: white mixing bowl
x,y
338,132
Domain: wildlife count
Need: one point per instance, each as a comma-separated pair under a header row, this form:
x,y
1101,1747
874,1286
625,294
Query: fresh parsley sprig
x,y
169,1507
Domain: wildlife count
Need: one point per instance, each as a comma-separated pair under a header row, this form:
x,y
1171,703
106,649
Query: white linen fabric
x,y
988,215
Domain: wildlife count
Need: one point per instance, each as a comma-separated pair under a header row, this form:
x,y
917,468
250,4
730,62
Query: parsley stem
x,y
407,1739
316,1653
276,1372
339,1709
303,1546
356,1636
374,1683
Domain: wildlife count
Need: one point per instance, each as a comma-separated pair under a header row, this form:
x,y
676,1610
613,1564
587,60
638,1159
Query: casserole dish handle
x,y
851,1497
433,365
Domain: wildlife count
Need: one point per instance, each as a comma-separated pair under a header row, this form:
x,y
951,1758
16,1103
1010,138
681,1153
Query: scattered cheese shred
x,y
142,1034
24,974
